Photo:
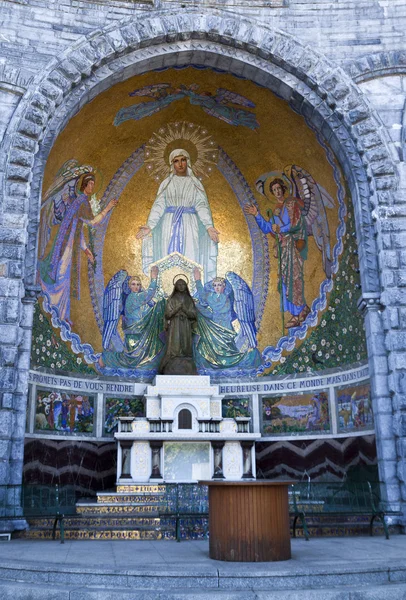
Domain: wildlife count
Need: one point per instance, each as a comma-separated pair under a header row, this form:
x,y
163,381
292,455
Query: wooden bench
x,y
339,499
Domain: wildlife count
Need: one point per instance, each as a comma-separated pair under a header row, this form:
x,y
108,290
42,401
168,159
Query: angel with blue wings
x,y
300,212
218,105
220,302
141,322
67,215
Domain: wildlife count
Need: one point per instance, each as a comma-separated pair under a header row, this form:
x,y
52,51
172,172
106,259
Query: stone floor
x,y
360,568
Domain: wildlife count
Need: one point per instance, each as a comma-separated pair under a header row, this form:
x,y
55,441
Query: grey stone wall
x,y
387,95
34,30
55,57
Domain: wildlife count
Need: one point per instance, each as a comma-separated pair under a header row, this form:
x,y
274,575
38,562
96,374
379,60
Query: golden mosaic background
x,y
283,138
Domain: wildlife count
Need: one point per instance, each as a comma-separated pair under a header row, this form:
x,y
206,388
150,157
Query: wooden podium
x,y
249,520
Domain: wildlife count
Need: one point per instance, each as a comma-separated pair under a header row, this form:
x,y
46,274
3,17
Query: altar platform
x,y
357,568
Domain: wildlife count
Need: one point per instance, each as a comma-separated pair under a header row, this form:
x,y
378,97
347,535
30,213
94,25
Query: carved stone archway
x,y
312,85
378,64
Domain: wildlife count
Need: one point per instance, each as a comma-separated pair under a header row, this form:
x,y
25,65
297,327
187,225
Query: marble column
x,y
156,447
125,460
217,459
247,460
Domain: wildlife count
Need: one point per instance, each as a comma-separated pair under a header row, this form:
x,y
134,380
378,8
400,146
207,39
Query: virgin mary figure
x,y
180,219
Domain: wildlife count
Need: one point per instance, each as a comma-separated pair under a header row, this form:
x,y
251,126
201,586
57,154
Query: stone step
x,y
146,488
90,508
166,528
140,520
75,590
19,591
100,528
97,522
97,534
103,498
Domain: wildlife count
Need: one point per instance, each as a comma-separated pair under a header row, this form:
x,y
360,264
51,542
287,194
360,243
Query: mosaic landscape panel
x,y
296,414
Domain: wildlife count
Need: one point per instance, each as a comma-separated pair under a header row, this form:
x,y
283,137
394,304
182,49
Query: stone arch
x,y
312,85
195,414
184,419
379,64
376,66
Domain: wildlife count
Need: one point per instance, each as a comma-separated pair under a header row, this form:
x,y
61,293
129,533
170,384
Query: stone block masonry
x,y
55,57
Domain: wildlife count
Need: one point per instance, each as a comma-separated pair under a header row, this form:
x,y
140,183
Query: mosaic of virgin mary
x,y
180,219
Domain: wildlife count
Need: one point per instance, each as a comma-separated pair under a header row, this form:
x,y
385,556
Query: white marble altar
x,y
182,412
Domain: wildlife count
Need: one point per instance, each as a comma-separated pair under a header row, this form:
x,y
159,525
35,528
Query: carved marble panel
x,y
232,460
141,461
